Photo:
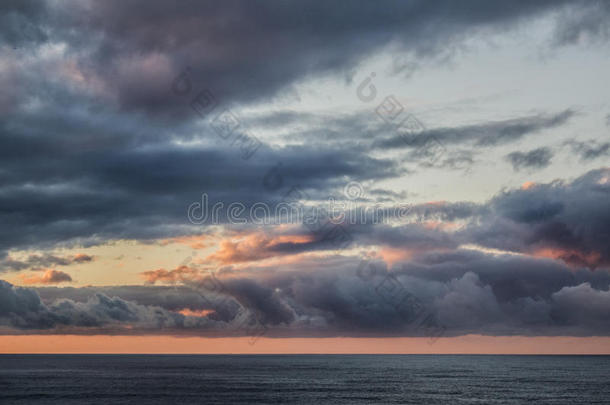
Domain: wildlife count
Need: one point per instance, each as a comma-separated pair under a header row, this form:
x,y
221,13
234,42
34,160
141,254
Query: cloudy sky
x,y
284,174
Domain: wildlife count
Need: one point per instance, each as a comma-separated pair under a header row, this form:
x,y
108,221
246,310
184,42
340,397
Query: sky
x,y
270,177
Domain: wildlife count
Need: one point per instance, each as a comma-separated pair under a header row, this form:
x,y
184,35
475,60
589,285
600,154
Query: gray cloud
x,y
535,159
568,221
466,291
52,194
86,166
571,219
586,23
22,308
42,261
260,48
590,150
21,22
484,134
93,149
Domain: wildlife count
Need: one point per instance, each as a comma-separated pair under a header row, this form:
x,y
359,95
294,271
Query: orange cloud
x,y
442,226
194,241
527,185
436,203
179,274
392,255
255,247
82,258
193,312
571,256
49,277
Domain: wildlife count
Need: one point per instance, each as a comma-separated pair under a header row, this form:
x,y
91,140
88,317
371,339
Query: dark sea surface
x,y
304,379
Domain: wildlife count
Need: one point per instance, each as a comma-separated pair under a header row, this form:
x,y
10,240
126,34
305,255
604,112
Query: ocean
x,y
304,379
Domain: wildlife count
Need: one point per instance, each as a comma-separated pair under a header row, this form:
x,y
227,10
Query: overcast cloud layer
x,y
110,130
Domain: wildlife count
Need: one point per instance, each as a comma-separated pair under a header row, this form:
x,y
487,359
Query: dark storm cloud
x,y
172,298
510,277
22,308
466,291
80,176
570,221
74,173
535,159
103,182
78,162
567,221
246,50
